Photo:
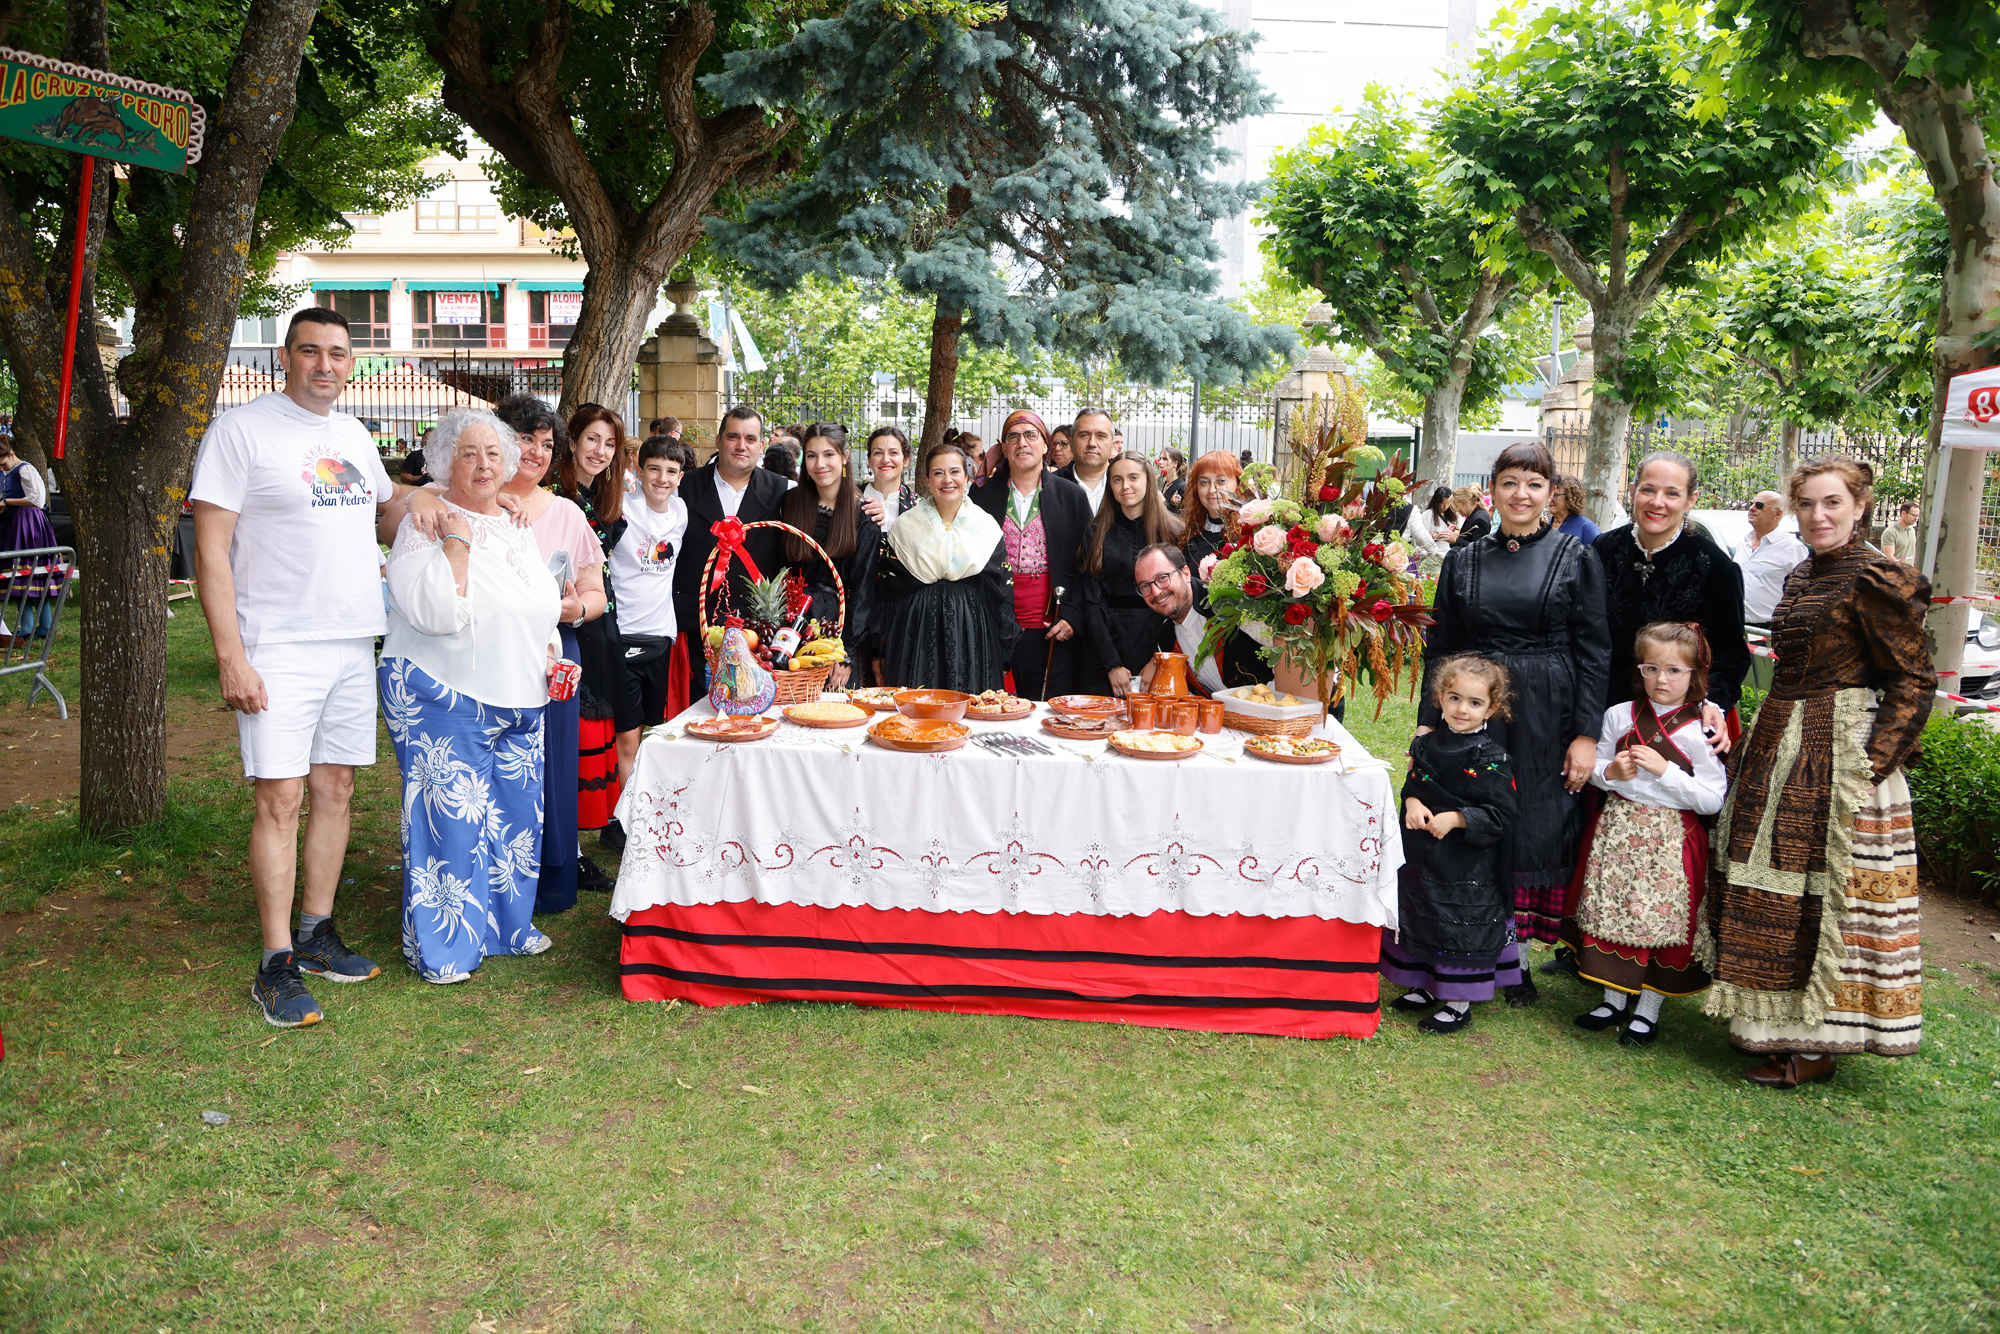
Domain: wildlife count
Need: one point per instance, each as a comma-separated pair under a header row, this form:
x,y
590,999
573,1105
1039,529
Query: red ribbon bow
x,y
729,543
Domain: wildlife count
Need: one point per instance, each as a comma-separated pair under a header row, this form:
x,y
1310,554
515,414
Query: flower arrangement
x,y
1317,573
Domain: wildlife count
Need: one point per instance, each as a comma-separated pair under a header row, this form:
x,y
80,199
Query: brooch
x,y
1513,544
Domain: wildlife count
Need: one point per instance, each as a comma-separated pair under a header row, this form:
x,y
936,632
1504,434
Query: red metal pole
x,y
75,300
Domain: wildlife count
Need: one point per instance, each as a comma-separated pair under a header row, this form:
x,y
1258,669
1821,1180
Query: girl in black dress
x,y
1120,630
1454,940
1211,490
1532,599
826,505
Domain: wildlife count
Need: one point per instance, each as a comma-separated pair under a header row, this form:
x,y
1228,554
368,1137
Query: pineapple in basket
x,y
764,611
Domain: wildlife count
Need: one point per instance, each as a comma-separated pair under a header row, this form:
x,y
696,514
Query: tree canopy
x,y
1042,174
1358,214
1587,137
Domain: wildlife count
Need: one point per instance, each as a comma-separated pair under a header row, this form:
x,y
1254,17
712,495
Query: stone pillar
x,y
1566,404
1307,391
680,374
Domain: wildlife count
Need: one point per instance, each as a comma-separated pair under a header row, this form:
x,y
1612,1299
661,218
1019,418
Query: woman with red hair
x,y
1210,497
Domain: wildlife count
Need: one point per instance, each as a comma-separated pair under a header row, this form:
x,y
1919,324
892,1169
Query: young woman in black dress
x,y
1119,628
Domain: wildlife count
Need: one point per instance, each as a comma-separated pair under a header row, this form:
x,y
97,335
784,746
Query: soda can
x,y
564,677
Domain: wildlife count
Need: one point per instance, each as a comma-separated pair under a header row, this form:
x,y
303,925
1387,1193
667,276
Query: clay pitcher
x,y
1170,674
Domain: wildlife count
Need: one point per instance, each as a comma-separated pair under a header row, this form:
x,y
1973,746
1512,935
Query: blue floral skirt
x,y
472,823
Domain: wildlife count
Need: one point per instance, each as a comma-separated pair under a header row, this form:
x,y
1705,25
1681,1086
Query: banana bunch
x,y
818,653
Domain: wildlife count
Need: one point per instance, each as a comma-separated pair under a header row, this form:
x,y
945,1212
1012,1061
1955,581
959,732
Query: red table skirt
x,y
1292,976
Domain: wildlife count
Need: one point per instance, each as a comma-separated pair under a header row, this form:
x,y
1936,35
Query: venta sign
x,y
59,105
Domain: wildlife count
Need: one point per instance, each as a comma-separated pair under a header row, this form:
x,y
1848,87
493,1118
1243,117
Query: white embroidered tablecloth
x,y
830,819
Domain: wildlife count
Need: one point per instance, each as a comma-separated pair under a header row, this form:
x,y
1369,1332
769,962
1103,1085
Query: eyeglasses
x,y
1162,583
1017,437
1759,505
1651,672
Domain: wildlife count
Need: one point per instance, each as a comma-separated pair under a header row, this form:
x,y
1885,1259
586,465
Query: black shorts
x,y
648,659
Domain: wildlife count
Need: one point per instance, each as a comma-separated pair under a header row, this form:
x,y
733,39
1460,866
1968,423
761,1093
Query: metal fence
x,y
1152,420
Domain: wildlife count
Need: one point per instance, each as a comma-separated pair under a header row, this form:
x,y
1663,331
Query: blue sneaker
x,y
324,955
282,996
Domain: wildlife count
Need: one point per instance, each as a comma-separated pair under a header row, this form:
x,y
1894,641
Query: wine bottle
x,y
786,642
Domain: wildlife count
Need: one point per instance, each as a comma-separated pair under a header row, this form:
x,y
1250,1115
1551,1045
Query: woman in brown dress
x,y
1811,918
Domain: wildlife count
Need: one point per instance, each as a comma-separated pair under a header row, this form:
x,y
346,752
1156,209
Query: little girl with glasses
x,y
1644,860
1454,942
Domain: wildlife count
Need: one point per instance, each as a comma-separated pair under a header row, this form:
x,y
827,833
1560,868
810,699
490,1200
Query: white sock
x,y
1458,1007
1613,1002
1649,1006
1807,1055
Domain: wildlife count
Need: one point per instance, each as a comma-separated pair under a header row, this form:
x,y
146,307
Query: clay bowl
x,y
938,705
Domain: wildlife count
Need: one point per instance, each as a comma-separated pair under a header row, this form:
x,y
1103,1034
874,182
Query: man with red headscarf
x,y
1042,517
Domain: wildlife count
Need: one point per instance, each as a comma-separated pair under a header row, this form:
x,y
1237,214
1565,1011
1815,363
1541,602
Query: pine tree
x,y
1041,173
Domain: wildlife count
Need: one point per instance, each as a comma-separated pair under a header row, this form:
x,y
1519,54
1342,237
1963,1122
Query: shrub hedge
x,y
1955,788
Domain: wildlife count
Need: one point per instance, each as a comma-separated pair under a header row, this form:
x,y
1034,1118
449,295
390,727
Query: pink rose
x,y
1207,568
1330,528
1356,510
1304,576
1254,513
1269,540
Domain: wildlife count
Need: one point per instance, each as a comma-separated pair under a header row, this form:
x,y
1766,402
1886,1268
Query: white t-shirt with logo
x,y
642,568
304,490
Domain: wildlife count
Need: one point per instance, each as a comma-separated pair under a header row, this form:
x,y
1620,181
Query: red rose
x,y
1306,549
1382,611
1329,493
1256,586
1296,613
1297,534
1373,551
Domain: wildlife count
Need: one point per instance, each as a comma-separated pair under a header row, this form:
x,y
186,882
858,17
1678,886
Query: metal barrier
x,y
34,588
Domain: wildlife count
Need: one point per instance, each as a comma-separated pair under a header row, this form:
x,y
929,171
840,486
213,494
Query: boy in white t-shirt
x,y
642,577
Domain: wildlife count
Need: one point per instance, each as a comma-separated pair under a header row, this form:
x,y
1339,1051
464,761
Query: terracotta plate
x,y
1158,754
1333,754
951,738
700,731
1056,726
1100,704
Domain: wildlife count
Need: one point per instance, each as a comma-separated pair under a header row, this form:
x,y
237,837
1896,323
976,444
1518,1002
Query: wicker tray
x,y
793,687
1243,722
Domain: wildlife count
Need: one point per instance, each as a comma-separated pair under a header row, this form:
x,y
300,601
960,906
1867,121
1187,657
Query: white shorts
x,y
321,710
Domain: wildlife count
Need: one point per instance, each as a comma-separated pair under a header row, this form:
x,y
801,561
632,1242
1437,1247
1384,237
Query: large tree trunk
x,y
943,382
1437,455
618,300
1788,450
1606,441
125,481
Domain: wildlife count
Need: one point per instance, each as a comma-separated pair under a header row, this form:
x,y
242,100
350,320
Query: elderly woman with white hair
x,y
465,672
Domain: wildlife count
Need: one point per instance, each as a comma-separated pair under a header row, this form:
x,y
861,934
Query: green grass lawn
x,y
528,1152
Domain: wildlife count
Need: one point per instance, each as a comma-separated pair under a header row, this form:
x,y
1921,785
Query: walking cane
x,y
1052,615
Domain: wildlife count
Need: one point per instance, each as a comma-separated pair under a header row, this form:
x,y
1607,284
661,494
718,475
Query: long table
x,y
1222,892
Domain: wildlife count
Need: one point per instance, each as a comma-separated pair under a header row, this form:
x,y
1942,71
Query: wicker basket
x,y
1243,722
793,687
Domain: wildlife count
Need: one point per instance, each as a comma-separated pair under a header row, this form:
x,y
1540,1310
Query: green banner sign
x,y
81,110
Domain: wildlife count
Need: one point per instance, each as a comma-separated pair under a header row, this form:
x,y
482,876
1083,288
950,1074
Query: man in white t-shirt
x,y
285,496
1767,558
642,570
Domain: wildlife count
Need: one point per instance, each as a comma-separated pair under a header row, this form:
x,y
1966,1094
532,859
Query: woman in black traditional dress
x,y
1532,599
1119,628
942,594
1657,568
826,505
590,473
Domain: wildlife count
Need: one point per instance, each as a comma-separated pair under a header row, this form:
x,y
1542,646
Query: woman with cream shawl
x,y
945,602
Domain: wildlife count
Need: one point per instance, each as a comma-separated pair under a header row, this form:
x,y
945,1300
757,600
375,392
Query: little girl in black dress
x,y
1455,943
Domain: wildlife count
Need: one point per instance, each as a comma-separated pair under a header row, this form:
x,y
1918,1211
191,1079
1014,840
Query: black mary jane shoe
x,y
1639,1037
1414,1002
1446,1021
1563,964
591,876
1521,995
1593,1022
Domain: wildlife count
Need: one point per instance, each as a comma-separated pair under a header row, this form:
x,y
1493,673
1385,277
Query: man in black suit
x,y
1171,589
1043,660
728,485
1094,439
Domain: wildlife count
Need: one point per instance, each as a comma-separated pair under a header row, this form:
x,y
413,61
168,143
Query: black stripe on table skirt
x,y
997,952
1019,993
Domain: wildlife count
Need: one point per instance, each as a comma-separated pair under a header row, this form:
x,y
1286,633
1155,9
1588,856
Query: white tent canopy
x,y
1972,410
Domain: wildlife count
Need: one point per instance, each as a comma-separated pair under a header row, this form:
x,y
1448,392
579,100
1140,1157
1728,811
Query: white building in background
x,y
447,277
1316,55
